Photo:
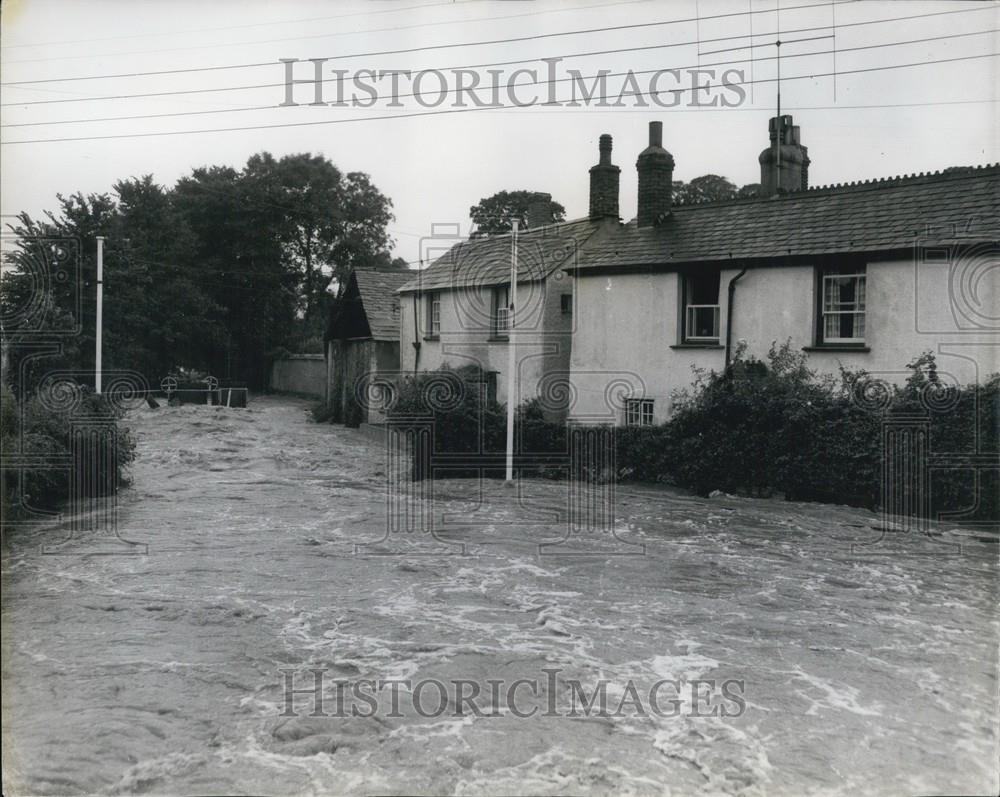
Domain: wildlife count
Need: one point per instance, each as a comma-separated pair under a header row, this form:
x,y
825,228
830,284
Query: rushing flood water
x,y
865,671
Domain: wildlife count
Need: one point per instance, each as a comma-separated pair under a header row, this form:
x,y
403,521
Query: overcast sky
x,y
875,123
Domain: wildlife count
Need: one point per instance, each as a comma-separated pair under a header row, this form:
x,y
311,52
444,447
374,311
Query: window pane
x,y
702,322
703,288
435,315
501,309
844,306
639,412
830,326
701,306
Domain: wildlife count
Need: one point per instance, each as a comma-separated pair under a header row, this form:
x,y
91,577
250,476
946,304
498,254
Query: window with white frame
x,y
700,312
842,306
639,412
433,314
500,313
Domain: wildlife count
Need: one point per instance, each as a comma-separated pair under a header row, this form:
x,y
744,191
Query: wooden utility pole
x,y
511,357
98,338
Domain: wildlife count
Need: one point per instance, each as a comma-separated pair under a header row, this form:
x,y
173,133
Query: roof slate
x,y
879,215
486,261
377,288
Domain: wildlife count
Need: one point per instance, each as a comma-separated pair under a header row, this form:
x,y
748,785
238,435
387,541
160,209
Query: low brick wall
x,y
300,373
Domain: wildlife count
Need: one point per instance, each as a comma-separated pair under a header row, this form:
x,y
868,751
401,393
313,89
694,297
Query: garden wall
x,y
300,373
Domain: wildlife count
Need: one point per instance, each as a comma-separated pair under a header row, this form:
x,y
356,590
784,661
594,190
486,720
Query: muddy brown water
x,y
867,666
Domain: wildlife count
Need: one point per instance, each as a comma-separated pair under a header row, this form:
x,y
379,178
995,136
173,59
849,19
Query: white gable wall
x,y
543,337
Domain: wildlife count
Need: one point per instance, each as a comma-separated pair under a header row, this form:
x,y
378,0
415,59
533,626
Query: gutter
x,y
416,333
729,315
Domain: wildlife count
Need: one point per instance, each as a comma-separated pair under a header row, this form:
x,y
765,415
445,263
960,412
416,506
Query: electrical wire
x,y
812,76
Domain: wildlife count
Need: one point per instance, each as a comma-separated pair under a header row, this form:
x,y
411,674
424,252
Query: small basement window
x,y
639,412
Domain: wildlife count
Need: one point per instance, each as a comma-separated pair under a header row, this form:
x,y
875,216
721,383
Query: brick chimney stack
x,y
604,183
784,165
539,211
656,177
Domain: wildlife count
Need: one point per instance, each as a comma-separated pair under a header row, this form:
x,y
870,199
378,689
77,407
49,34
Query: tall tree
x,y
711,188
493,214
241,267
213,274
707,188
155,315
327,222
161,303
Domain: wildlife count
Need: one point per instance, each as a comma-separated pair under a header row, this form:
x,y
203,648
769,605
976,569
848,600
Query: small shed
x,y
362,342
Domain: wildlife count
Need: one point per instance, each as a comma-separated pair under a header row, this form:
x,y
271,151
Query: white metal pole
x,y
100,314
511,358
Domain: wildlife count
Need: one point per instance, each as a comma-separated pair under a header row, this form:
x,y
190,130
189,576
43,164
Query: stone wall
x,y
300,373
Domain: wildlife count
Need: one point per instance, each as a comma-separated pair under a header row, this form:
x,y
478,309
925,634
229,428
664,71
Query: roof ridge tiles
x,y
951,173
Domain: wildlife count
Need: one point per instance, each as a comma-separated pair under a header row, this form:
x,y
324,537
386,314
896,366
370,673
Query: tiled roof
x,y
878,215
377,288
486,261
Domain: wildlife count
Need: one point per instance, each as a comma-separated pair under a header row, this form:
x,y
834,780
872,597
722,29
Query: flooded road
x,y
861,666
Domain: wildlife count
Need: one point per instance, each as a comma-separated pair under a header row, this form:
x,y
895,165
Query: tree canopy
x,y
214,273
710,188
493,214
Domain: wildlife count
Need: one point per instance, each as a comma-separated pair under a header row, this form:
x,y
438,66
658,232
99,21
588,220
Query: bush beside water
x,y
760,428
45,427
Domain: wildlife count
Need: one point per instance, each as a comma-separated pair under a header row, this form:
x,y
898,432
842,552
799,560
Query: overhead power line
x,y
229,27
449,111
584,54
178,92
451,45
879,106
323,35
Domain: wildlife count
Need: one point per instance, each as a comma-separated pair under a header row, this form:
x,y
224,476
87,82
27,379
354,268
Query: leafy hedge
x,y
775,427
760,428
44,427
466,421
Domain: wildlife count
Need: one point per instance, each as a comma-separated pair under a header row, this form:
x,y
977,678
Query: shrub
x,y
46,428
321,413
8,441
467,421
644,453
759,428
775,427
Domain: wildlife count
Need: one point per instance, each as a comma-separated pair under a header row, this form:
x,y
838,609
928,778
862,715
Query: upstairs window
x,y
566,303
500,313
639,412
701,307
433,314
842,306
700,311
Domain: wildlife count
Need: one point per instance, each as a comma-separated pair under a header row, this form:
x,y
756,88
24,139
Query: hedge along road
x,y
847,671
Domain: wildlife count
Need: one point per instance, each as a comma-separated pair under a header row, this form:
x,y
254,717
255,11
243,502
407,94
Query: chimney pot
x,y
539,211
604,147
656,134
784,165
604,180
656,178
